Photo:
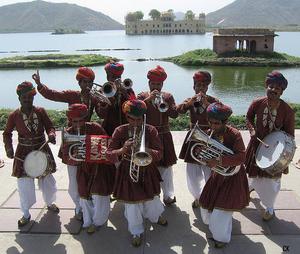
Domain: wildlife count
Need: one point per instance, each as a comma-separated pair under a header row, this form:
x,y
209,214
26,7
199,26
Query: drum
x,y
36,164
275,158
96,147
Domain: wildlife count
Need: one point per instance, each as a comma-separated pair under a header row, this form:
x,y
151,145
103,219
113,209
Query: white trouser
x,y
73,187
167,185
95,211
27,195
267,190
196,177
135,213
219,222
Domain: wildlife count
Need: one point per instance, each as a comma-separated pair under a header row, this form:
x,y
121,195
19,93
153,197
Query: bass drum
x,y
36,164
275,158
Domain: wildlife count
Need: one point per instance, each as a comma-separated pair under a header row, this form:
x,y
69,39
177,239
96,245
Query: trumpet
x,y
140,158
125,84
160,103
103,92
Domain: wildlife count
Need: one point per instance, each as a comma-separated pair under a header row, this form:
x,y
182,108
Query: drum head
x,y
35,163
268,156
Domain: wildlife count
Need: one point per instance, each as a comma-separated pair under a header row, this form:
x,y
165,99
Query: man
x,y
30,122
112,114
224,194
137,186
85,77
95,180
160,107
196,174
267,114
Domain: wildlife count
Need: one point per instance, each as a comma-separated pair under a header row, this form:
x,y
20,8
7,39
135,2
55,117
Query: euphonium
x,y
76,142
160,103
126,83
140,158
207,148
103,92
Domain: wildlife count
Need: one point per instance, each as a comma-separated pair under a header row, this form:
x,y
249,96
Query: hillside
x,y
41,16
257,13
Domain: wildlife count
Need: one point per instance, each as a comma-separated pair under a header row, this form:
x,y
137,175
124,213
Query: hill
x,y
257,13
41,16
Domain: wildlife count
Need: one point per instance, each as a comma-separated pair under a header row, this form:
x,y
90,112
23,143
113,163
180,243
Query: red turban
x,y
135,108
203,76
85,73
77,111
157,75
26,88
275,77
114,68
218,111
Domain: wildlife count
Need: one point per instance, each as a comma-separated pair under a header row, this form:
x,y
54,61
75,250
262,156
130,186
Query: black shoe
x,y
162,221
23,221
219,245
170,201
53,208
195,204
79,216
136,241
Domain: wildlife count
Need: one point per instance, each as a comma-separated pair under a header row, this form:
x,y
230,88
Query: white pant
x,y
167,185
196,177
27,195
73,187
267,190
135,213
95,211
220,223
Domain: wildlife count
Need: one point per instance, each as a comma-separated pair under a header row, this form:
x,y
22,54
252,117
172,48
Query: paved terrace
x,y
48,233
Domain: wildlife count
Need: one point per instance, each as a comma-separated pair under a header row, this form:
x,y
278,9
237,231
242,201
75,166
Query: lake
x,y
236,86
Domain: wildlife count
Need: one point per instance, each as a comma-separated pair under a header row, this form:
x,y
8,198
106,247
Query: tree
x,y
154,14
139,15
189,15
130,17
172,13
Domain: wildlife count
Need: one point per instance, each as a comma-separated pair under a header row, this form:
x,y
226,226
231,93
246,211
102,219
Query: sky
x,y
119,8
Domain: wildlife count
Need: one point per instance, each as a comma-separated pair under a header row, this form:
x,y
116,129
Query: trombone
x,y
103,92
125,84
140,158
160,103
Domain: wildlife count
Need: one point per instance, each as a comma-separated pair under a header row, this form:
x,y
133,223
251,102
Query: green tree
x,y
130,17
189,15
139,15
154,14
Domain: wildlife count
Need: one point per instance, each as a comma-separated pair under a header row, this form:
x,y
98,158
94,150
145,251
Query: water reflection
x,y
235,86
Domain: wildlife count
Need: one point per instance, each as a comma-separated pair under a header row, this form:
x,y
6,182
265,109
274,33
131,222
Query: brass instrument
x,y
139,158
207,148
198,104
87,148
160,103
125,84
103,92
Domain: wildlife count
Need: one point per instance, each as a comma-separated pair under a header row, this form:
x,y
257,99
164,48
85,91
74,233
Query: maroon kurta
x,y
68,96
161,122
230,192
94,178
195,116
112,115
148,184
29,140
259,119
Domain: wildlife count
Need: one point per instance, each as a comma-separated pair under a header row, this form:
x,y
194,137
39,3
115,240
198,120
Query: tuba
x,y
160,103
139,158
207,148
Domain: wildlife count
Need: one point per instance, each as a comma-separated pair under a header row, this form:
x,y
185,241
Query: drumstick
x,y
44,145
19,159
265,144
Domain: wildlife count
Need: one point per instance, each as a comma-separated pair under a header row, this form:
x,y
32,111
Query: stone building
x,y
250,40
166,25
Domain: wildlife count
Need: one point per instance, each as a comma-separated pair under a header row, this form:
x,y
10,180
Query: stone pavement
x,y
49,233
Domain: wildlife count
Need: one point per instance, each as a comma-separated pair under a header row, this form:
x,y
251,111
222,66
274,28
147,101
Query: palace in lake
x,y
165,25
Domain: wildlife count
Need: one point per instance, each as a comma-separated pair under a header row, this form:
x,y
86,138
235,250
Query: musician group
x,y
129,156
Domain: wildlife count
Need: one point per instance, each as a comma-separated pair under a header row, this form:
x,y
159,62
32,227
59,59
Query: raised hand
x,y
36,78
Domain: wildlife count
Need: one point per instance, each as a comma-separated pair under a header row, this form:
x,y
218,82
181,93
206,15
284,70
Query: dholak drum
x,y
275,158
36,164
